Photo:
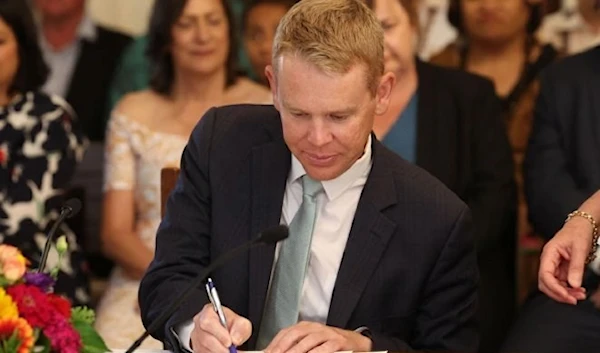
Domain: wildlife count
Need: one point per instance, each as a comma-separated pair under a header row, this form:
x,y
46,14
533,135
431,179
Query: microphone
x,y
269,236
69,209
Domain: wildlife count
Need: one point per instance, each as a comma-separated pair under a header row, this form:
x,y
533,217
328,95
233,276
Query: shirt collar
x,y
335,187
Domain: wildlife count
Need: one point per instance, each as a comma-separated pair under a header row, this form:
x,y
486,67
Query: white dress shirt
x,y
335,214
336,207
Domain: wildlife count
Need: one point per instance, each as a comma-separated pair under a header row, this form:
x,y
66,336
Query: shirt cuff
x,y
183,333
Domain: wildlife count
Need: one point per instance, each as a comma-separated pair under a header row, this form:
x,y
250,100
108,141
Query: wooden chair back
x,y
168,178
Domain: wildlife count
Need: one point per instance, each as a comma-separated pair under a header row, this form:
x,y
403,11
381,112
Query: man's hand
x,y
317,338
563,262
209,336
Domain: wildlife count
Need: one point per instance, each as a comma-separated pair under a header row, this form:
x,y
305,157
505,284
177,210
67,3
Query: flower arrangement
x,y
35,320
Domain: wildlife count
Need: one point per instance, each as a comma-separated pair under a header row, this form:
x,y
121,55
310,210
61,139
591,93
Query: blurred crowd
x,y
495,98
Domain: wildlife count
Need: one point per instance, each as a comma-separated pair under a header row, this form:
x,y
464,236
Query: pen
x,y
213,296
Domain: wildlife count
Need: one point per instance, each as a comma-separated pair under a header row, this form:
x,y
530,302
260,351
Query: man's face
x,y
57,9
326,118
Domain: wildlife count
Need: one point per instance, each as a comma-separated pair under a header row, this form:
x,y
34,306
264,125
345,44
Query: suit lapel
x,y
270,168
80,77
370,233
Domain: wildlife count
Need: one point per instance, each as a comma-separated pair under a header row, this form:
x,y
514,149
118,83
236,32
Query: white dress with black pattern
x,y
40,145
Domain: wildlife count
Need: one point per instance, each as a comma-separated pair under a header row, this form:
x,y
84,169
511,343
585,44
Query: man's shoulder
x,y
247,116
110,37
244,124
456,81
417,187
574,68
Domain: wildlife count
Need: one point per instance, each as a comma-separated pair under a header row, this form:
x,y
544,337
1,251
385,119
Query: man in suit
x,y
561,172
380,254
82,57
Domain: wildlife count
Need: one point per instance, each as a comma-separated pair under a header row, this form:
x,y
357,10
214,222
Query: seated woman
x,y
40,145
561,172
193,68
449,122
497,41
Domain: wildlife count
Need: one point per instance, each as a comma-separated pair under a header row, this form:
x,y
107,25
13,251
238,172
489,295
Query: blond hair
x,y
333,35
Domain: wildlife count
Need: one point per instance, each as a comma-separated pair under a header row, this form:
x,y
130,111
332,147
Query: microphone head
x,y
273,234
72,207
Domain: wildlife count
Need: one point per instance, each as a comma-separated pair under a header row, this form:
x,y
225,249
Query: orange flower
x,y
12,263
24,333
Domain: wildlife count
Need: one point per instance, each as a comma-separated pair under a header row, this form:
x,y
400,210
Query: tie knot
x,y
310,186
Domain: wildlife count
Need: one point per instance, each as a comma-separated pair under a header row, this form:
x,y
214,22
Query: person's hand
x,y
317,338
563,262
209,336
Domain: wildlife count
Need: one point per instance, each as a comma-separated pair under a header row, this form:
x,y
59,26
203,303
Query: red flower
x,y
60,304
63,337
33,304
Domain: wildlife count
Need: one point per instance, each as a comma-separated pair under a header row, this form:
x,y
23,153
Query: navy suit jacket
x,y
562,164
409,270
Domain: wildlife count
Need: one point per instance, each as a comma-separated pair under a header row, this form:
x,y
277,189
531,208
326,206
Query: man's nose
x,y
319,135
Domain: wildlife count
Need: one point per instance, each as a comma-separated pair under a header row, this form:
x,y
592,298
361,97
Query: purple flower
x,y
41,280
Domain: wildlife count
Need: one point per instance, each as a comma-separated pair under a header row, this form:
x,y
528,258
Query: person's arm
x,y
492,192
183,238
551,190
446,319
563,259
41,164
120,241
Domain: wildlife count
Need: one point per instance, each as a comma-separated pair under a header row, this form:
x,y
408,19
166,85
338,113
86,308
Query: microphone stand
x,y
188,291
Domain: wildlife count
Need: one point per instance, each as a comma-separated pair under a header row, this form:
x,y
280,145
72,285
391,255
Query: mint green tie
x,y
283,303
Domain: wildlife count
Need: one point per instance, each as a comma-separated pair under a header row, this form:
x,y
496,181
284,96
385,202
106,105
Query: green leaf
x,y
11,345
83,314
42,344
90,339
4,282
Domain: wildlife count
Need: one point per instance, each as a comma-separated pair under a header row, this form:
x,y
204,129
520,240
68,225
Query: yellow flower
x,y
12,263
8,308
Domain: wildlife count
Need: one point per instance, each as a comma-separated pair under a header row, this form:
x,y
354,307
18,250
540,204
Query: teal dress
x,y
402,137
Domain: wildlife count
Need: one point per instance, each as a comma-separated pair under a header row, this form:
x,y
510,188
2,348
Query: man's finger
x,y
240,330
205,343
327,347
287,338
309,342
208,321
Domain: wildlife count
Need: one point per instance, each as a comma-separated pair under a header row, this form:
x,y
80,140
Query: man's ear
x,y
384,92
271,77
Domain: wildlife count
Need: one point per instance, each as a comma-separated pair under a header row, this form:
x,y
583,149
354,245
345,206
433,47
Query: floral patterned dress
x,y
40,145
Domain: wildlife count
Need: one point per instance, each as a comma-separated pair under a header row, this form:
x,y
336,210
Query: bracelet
x,y
592,255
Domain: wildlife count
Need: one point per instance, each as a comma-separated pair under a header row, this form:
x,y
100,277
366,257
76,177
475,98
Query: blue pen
x,y
213,296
